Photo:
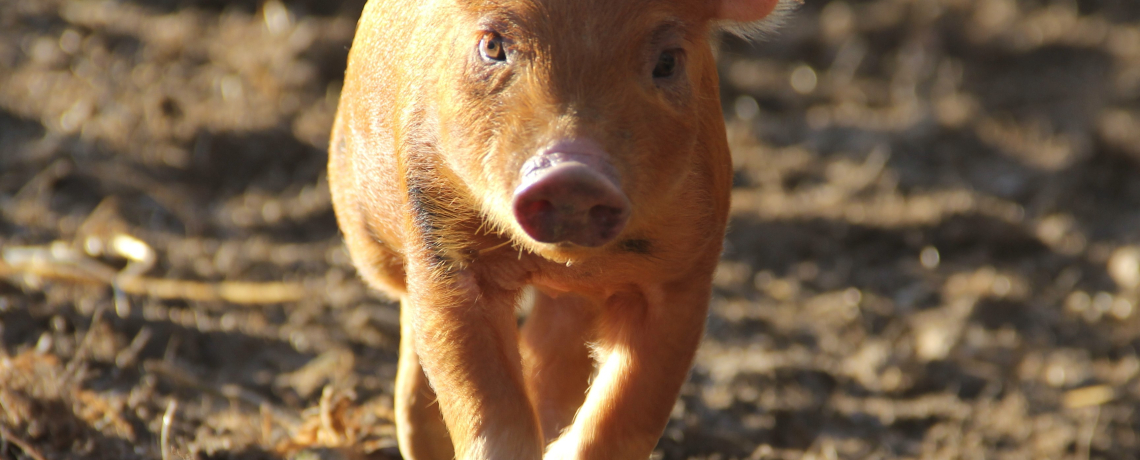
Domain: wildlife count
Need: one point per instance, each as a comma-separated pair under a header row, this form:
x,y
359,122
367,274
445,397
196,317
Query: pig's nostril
x,y
606,216
606,222
537,207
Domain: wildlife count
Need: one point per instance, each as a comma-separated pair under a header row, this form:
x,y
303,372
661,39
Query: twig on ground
x,y
22,444
167,421
328,428
60,262
1084,444
130,354
81,353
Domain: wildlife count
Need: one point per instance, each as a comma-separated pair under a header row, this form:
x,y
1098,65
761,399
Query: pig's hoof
x,y
571,201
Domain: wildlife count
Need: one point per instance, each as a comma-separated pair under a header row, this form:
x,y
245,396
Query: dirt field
x,y
933,252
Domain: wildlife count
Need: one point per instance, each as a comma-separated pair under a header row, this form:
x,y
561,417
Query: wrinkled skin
x,y
576,146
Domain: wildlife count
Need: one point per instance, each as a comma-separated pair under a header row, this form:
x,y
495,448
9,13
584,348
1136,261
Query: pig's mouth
x,y
570,194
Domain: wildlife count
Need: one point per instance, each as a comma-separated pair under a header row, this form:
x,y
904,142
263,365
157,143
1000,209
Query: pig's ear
x,y
751,18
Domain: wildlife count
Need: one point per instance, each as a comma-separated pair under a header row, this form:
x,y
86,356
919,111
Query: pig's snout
x,y
570,197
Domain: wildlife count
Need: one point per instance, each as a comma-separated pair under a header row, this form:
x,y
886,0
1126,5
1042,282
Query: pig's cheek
x,y
485,164
466,137
662,176
460,144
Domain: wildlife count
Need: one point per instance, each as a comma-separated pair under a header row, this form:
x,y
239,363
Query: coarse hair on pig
x,y
765,27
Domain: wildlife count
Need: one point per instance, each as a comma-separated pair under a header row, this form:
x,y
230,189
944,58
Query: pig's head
x,y
570,122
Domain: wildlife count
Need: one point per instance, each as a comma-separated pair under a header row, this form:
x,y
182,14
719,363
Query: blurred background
x,y
933,250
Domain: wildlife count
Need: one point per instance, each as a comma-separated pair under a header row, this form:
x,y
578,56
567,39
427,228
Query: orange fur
x,y
425,153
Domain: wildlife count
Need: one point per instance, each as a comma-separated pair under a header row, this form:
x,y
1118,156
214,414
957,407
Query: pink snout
x,y
570,197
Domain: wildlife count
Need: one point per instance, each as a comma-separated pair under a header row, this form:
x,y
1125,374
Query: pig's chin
x,y
570,198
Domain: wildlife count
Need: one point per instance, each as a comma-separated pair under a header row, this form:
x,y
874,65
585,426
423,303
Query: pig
x,y
573,149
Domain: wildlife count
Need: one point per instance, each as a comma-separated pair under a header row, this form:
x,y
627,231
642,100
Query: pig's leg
x,y
556,360
419,424
467,341
647,342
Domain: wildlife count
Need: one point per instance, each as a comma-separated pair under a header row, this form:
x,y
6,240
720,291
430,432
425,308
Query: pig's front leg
x,y
467,342
556,358
419,424
648,340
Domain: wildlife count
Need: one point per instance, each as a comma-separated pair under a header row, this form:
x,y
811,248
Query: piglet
x,y
575,146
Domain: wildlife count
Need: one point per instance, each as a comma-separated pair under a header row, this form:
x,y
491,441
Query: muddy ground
x,y
933,251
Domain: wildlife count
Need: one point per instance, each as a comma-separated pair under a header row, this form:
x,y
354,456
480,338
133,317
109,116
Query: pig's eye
x,y
491,47
666,64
